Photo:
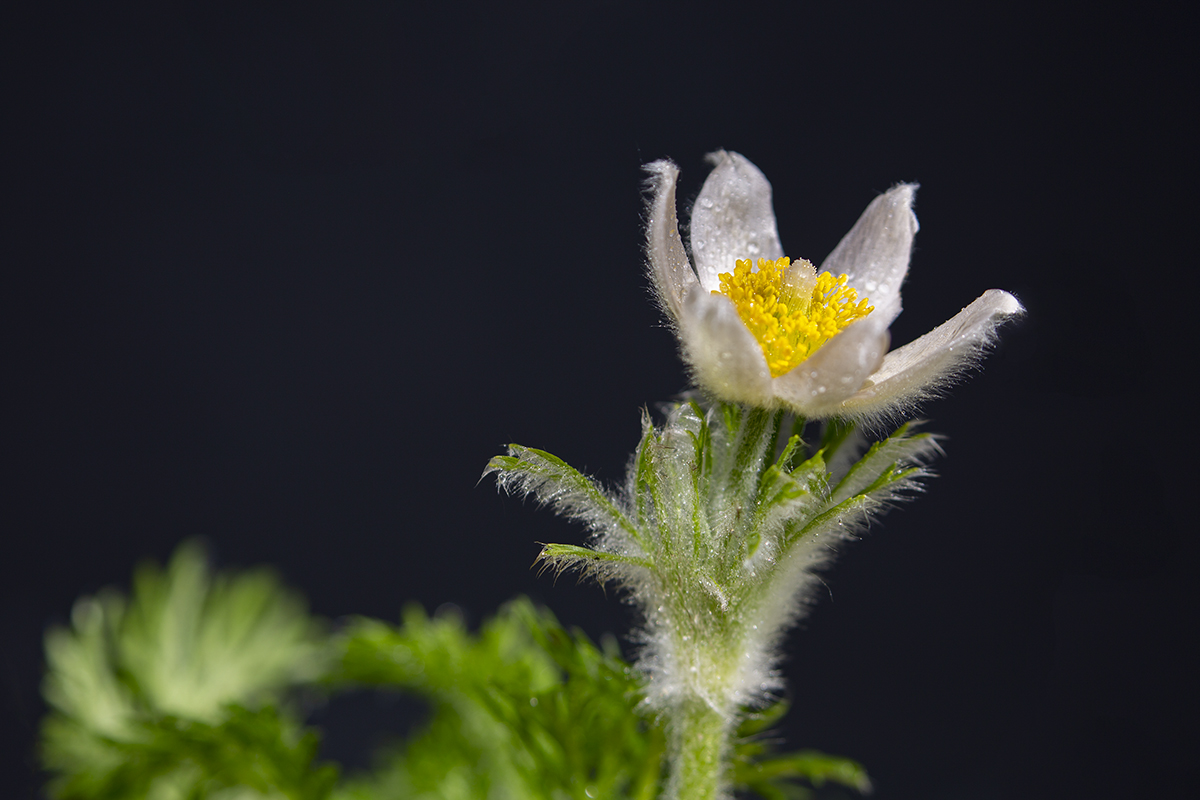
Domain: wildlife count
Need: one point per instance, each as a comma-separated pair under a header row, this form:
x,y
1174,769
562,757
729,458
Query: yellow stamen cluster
x,y
790,309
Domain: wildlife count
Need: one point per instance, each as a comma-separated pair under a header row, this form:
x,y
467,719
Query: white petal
x,y
732,219
875,253
670,272
920,368
725,357
817,387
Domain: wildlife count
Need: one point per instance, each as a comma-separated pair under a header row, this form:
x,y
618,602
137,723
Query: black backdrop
x,y
286,278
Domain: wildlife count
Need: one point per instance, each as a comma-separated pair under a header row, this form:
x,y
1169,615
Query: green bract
x,y
717,536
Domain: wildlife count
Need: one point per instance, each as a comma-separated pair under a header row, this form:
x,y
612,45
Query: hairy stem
x,y
700,747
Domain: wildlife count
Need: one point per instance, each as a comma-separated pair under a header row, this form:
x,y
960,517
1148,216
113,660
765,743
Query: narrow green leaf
x,y
645,483
899,450
816,768
527,470
793,447
758,721
573,555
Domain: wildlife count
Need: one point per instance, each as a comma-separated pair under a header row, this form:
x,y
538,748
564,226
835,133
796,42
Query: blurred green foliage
x,y
184,691
177,692
524,709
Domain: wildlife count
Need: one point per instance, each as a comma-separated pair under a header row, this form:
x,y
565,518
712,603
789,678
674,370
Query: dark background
x,y
286,279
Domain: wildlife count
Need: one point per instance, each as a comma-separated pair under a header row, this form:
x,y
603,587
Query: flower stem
x,y
700,749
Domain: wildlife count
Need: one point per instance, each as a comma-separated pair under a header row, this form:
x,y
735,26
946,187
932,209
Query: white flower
x,y
782,337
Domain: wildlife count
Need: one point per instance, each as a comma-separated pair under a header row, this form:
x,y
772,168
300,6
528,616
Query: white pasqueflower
x,y
782,336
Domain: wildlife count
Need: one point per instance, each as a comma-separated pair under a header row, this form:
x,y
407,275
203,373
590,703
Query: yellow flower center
x,y
790,309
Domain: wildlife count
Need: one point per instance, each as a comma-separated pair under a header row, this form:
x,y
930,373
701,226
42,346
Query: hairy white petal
x,y
670,271
848,376
724,355
836,371
920,368
875,253
732,219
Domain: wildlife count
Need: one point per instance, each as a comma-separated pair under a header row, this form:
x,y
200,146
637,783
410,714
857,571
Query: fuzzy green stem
x,y
700,747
